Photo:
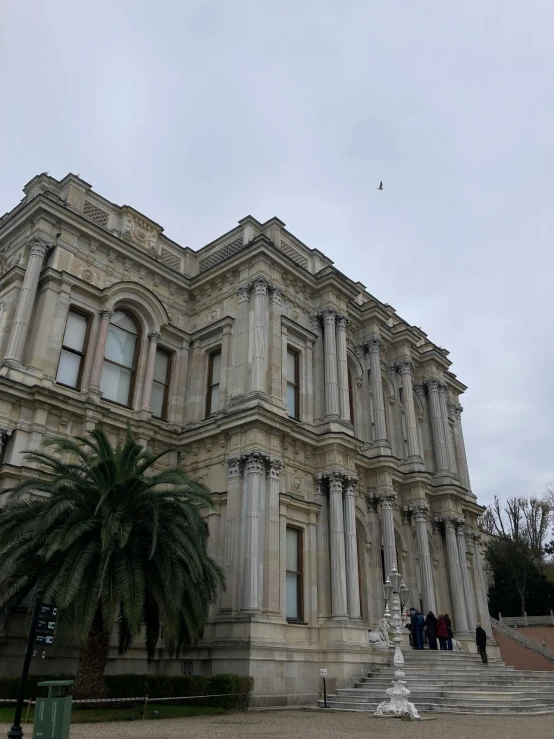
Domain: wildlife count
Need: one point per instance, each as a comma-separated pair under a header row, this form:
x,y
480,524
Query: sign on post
x,y
323,672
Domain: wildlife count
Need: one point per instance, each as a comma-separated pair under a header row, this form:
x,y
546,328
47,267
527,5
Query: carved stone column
x,y
460,446
153,337
437,427
374,348
98,363
414,453
253,503
275,363
466,584
426,566
339,605
331,380
318,363
386,501
351,550
272,535
447,432
240,344
342,366
231,555
259,331
482,599
455,577
322,539
24,310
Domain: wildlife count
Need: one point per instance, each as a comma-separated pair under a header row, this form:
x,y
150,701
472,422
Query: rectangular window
x,y
294,586
70,367
351,399
160,385
293,406
214,373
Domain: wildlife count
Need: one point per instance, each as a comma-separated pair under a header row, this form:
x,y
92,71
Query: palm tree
x,y
112,543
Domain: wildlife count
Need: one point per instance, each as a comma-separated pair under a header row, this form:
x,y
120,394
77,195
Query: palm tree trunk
x,y
93,655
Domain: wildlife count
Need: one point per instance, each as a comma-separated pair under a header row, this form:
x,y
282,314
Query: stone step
x,y
492,709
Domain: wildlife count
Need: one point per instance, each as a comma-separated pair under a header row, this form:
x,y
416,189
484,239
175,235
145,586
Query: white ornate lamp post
x,y
398,704
387,592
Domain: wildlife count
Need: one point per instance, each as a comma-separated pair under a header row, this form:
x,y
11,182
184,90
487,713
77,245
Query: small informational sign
x,y
323,672
48,611
44,624
44,639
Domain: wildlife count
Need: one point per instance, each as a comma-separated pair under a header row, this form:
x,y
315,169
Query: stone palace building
x,y
328,428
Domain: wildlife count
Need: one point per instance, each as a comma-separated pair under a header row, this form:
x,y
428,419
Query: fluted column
x,y
275,362
339,605
258,333
272,561
231,554
374,348
351,551
96,374
386,500
24,310
460,446
240,344
466,584
426,566
322,543
437,426
451,460
331,380
405,368
455,577
342,367
482,599
153,337
319,372
253,500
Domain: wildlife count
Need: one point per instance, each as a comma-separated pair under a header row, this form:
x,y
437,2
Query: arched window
x,y
120,359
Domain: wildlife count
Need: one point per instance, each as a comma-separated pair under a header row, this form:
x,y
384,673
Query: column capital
x,y
106,313
442,387
260,285
421,512
456,409
341,321
432,385
38,246
276,295
405,366
328,316
386,498
243,293
235,466
154,337
255,463
373,344
274,468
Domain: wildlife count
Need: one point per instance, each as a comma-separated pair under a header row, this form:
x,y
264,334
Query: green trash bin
x,y
53,714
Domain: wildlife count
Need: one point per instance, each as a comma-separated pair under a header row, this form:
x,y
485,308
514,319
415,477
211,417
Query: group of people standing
x,y
434,628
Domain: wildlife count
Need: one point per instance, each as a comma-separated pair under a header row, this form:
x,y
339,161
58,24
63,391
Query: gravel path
x,y
318,725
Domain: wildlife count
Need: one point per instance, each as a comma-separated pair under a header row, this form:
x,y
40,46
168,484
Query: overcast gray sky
x,y
199,113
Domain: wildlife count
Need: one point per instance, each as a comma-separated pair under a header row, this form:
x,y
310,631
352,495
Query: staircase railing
x,y
523,639
525,620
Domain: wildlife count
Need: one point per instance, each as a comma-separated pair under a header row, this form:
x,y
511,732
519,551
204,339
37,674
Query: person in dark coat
x,y
418,624
481,641
431,628
442,631
450,633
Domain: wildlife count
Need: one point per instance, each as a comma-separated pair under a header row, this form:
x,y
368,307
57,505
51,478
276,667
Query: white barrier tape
x,y
142,699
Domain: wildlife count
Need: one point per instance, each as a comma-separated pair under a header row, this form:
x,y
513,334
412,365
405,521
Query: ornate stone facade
x,y
327,427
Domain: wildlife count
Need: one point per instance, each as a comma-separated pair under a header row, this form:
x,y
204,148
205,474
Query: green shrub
x,y
9,686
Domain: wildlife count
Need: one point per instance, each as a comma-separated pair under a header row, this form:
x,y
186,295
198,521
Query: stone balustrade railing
x,y
523,639
547,620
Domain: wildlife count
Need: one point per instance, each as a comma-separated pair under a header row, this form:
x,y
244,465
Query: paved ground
x,y
318,725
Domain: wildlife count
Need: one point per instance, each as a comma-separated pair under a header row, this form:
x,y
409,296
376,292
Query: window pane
x,y
292,595
75,330
120,347
216,368
291,400
291,367
123,320
157,402
115,383
68,369
160,366
292,550
214,398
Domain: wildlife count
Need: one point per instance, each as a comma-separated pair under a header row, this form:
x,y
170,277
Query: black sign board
x,y
48,611
44,639
44,624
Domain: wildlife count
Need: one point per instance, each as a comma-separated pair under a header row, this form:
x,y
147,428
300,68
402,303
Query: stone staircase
x,y
453,682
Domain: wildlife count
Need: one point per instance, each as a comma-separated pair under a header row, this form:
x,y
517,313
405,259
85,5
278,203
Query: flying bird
x,y
380,185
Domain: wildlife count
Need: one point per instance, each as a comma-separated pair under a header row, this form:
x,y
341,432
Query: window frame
x,y
168,378
351,397
85,314
296,384
134,369
216,350
299,576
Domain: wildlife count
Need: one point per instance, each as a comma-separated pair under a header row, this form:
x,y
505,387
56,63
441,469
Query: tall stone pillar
x,y
454,575
460,446
318,372
272,536
240,344
469,598
414,453
339,605
322,539
259,330
331,380
253,507
386,500
426,566
482,599
153,337
96,374
275,362
351,550
342,366
451,459
374,348
24,309
437,426
232,553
